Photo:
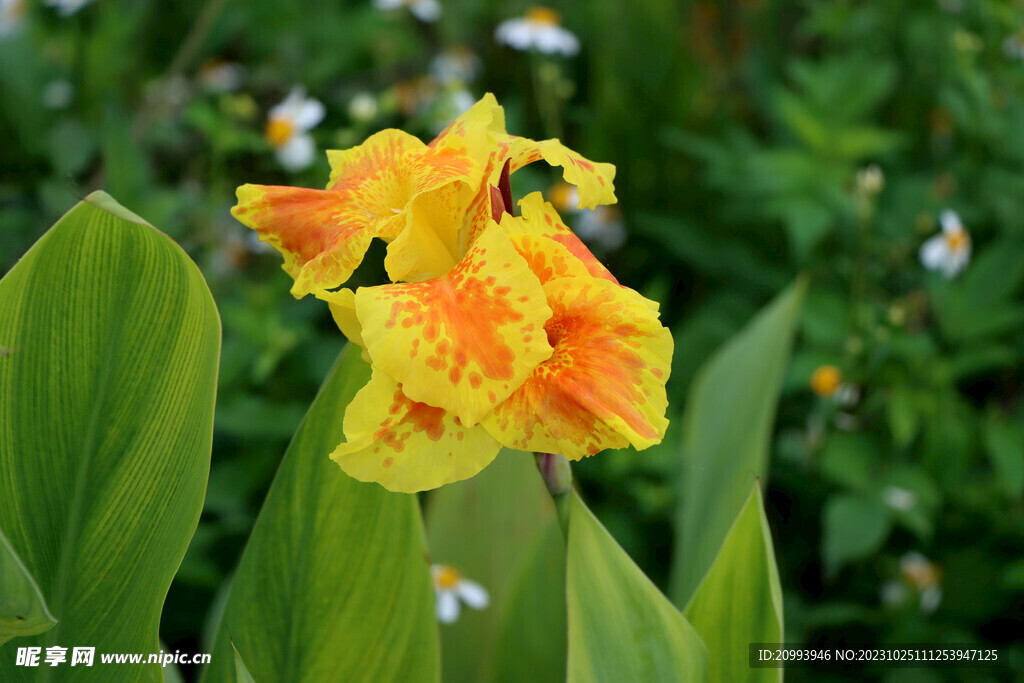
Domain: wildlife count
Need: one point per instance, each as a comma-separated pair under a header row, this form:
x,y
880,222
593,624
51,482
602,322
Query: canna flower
x,y
601,227
450,587
495,330
538,30
288,126
949,251
427,11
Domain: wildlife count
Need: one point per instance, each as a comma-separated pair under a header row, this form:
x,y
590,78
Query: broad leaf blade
x,y
740,600
334,582
106,421
487,528
621,628
23,611
726,434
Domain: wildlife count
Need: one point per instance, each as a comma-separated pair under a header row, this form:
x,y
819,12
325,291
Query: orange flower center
x,y
825,380
279,131
957,240
543,15
447,578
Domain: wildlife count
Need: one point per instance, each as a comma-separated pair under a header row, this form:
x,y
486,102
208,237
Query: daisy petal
x,y
473,594
604,385
407,446
934,253
298,153
463,341
447,607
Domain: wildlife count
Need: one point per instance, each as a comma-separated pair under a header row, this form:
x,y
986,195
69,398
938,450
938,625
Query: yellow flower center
x,y
447,578
921,574
559,194
957,240
543,15
826,380
279,131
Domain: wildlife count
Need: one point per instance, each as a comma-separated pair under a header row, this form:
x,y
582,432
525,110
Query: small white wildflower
x,y
450,587
425,10
58,94
893,593
12,13
898,498
67,7
218,76
288,126
602,226
1013,46
539,29
870,180
925,577
949,251
362,107
457,64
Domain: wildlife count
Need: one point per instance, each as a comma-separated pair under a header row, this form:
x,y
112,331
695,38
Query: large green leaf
x,y
106,420
23,611
740,600
334,583
621,628
487,528
727,429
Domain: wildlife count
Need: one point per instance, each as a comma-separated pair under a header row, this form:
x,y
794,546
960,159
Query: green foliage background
x,y
738,130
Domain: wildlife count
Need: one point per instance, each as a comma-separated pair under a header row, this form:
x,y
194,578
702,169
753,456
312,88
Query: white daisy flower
x,y
67,7
217,76
925,577
539,30
450,587
949,251
1013,46
425,10
12,12
457,64
870,180
898,498
288,126
362,107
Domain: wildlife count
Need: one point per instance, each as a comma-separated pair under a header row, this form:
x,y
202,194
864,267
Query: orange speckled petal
x,y
540,218
474,129
380,177
428,246
604,385
407,446
320,242
548,259
466,340
594,181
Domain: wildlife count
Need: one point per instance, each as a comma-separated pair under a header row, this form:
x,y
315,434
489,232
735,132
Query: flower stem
x,y
557,475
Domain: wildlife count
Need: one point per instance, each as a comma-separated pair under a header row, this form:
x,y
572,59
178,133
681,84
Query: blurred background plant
x,y
754,140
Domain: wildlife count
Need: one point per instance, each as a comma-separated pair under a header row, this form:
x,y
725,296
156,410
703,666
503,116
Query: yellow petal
x,y
379,177
603,386
475,129
407,446
466,340
429,245
594,181
540,218
343,309
313,229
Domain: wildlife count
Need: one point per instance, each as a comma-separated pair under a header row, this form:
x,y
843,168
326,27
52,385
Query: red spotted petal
x,y
604,385
463,341
408,446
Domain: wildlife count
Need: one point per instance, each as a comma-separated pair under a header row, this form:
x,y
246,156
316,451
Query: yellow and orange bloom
x,y
495,330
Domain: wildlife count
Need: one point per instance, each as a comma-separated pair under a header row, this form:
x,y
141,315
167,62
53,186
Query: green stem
x,y
557,475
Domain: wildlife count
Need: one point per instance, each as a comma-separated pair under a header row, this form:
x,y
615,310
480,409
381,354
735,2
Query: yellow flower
x,y
826,380
495,330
